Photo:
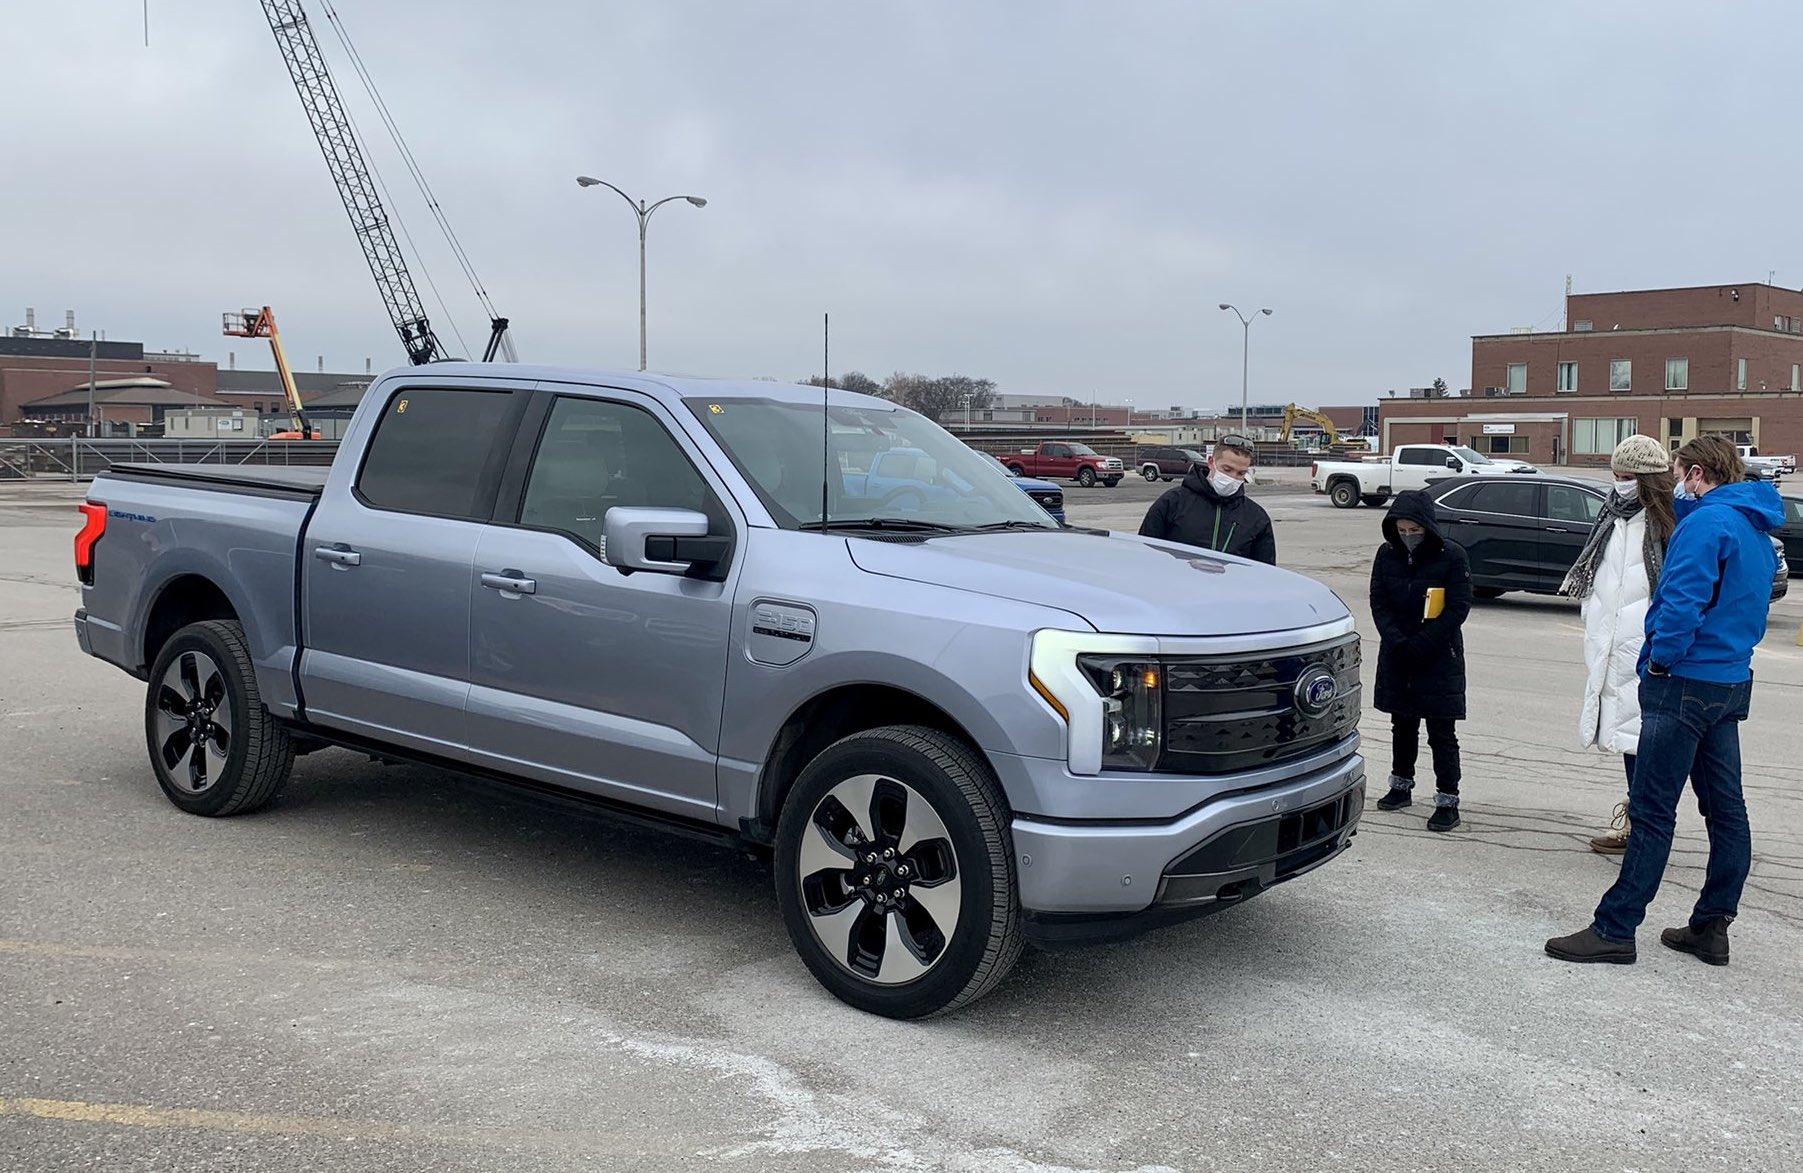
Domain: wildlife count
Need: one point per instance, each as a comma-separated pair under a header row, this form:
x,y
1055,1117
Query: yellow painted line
x,y
146,1116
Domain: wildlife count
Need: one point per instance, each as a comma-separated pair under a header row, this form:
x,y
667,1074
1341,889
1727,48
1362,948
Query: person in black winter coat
x,y
1210,509
1421,661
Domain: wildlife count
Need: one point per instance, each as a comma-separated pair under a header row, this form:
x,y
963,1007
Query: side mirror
x,y
666,541
1453,462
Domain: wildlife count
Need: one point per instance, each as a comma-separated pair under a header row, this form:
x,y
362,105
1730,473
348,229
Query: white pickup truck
x,y
1411,466
1766,467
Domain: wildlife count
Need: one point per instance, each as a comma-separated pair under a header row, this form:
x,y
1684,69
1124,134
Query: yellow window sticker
x,y
715,409
400,407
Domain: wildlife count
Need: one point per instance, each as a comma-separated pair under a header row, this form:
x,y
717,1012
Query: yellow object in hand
x,y
1436,603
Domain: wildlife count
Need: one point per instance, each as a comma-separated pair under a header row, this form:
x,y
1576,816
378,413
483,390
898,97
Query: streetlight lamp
x,y
1245,354
643,212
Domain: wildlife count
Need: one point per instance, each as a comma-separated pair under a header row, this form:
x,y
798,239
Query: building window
x,y
1582,325
1621,374
1568,376
1518,378
1500,445
1677,374
1600,436
1796,377
1740,374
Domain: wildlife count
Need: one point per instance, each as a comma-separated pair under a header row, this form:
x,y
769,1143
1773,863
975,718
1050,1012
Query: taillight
x,y
93,527
1314,470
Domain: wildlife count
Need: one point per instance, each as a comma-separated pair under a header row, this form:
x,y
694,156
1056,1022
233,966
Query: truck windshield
x,y
1473,456
889,464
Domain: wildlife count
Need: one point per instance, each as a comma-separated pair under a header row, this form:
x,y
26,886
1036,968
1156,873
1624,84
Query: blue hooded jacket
x,y
1708,612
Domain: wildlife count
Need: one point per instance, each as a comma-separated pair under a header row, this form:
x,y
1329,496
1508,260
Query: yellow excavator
x,y
260,323
1293,413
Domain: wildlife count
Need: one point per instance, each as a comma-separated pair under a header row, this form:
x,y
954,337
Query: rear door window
x,y
1424,456
438,451
1564,503
1504,497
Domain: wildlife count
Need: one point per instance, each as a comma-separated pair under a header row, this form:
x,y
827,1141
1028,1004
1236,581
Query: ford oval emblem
x,y
1316,690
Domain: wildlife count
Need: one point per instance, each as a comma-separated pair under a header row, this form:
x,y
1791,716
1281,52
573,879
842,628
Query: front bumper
x,y
1080,879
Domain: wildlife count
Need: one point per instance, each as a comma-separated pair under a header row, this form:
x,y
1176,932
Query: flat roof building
x,y
1669,363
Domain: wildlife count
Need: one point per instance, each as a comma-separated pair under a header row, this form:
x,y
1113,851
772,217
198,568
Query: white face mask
x,y
1682,492
1627,490
1225,485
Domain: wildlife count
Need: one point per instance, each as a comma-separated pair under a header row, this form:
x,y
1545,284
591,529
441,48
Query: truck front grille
x,y
1225,714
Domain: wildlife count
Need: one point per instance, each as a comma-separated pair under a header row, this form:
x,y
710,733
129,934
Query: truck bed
x,y
303,482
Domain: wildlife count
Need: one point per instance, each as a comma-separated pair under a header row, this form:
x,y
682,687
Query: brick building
x,y
1672,363
38,368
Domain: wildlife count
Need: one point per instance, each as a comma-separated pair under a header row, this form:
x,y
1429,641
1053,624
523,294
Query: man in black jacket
x,y
1210,508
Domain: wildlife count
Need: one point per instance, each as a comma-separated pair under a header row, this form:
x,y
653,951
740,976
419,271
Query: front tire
x,y
1487,592
895,872
1086,477
1150,472
1344,494
215,749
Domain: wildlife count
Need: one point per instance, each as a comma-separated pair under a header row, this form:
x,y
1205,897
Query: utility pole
x,y
93,361
1245,354
643,212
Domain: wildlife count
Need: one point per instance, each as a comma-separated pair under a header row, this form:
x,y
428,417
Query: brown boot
x,y
1586,947
1614,841
1706,942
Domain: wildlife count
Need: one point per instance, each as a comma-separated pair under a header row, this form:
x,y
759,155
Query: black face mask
x,y
1412,541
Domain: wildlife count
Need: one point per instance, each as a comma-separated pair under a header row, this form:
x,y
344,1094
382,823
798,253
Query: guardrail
x,y
79,459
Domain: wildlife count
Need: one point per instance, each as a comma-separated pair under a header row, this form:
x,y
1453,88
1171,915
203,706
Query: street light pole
x,y
643,212
1245,354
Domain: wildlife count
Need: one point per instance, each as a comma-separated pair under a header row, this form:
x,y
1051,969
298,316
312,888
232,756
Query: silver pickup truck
x,y
955,724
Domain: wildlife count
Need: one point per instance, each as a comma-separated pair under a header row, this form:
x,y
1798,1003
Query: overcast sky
x,y
1052,195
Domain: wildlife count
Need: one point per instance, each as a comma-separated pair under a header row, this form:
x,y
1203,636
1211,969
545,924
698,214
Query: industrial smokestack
x,y
69,322
322,364
231,360
31,319
366,369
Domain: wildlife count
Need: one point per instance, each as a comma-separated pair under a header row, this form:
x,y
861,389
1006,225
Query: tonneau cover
x,y
298,481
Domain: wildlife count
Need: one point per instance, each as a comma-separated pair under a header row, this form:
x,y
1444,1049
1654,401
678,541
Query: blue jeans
x,y
1688,728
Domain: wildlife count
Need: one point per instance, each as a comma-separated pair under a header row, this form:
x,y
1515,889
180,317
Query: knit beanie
x,y
1638,454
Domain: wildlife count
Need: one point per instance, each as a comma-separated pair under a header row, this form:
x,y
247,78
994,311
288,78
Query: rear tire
x,y
933,805
1111,482
1343,494
1019,470
215,749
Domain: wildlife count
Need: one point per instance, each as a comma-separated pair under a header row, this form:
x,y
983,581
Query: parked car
x,y
1411,466
955,725
1765,467
1067,460
1160,462
1524,535
1791,534
1049,496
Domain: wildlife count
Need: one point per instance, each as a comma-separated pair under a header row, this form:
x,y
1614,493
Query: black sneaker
x,y
1444,818
1401,794
1707,942
1588,948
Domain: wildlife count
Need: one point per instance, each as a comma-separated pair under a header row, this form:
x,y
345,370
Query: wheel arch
x,y
825,718
185,598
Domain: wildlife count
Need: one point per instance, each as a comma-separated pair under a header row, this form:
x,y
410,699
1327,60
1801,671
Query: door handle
x,y
338,555
510,582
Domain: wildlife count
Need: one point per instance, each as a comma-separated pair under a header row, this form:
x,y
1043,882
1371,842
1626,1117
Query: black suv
x,y
1158,462
1523,533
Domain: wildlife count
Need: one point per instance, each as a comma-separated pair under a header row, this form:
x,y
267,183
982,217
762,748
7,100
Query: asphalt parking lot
x,y
394,968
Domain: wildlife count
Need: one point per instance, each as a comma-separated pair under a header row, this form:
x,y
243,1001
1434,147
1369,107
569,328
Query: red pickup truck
x,y
1067,460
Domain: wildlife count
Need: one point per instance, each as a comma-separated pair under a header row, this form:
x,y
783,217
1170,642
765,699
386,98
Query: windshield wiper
x,y
897,524
1020,525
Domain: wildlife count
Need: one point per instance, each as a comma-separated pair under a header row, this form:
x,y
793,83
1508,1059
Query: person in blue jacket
x,y
1696,679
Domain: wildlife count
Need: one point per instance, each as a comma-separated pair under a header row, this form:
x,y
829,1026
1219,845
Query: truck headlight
x,y
1108,690
1132,709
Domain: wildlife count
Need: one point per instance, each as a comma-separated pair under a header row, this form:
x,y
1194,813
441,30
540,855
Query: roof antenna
x,y
826,422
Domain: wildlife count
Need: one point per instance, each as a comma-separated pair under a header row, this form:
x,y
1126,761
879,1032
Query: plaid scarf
x,y
1581,580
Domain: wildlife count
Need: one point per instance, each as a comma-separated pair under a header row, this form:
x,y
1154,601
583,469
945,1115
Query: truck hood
x,y
1118,583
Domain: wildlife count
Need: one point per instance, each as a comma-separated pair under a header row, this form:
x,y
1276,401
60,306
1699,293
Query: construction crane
x,y
1293,413
260,323
358,185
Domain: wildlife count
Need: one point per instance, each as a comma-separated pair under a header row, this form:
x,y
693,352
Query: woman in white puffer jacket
x,y
1614,577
